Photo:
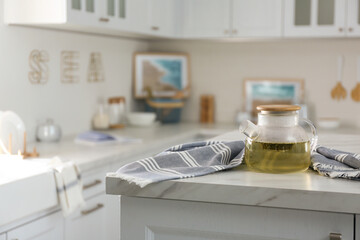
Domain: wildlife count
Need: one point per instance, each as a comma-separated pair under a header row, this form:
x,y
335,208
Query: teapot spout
x,y
249,129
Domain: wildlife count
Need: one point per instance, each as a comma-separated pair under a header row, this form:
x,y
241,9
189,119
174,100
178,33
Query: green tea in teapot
x,y
277,157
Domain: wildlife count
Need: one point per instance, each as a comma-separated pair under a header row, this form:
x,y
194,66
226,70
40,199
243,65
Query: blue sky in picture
x,y
267,91
173,72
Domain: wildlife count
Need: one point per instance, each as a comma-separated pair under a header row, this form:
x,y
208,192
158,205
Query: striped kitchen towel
x,y
184,161
336,164
68,185
202,158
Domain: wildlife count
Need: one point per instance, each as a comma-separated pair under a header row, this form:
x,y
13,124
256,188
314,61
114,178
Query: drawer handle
x,y
102,19
93,184
97,207
155,28
335,236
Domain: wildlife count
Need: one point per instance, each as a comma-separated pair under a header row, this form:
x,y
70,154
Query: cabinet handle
x,y
97,207
335,236
351,29
154,28
226,31
341,29
234,31
102,19
90,185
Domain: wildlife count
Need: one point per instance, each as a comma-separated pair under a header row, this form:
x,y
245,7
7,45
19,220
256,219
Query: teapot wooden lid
x,y
278,108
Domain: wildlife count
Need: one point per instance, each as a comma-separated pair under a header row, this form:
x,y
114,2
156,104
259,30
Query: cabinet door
x,y
84,12
49,227
257,18
206,18
3,236
112,13
112,216
137,16
89,222
181,220
162,17
92,222
353,18
314,18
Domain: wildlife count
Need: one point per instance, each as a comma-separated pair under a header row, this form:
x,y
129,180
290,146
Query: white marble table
x,y
306,190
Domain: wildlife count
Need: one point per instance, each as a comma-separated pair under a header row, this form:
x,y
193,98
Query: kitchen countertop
x,y
152,139
31,177
306,190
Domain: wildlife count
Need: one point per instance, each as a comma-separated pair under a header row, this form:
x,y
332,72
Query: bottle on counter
x,y
116,112
101,118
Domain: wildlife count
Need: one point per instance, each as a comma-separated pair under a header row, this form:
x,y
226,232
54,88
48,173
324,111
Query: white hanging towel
x,y
68,185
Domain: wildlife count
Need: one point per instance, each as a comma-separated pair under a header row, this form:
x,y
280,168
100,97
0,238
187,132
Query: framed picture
x,y
271,91
164,74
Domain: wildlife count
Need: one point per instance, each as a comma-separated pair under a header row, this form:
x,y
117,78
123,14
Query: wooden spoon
x,y
355,93
339,92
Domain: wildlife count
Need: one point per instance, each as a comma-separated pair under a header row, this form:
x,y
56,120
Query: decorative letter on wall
x,y
39,73
69,66
95,69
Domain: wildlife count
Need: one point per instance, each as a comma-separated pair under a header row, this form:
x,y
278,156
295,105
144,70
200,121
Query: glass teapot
x,y
279,143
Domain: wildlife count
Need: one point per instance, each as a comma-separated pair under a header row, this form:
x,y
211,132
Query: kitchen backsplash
x,y
70,105
219,68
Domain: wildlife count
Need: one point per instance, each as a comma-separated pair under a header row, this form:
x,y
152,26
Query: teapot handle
x,y
314,139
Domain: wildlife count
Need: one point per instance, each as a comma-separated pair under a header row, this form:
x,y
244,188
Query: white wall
x,y
71,105
219,68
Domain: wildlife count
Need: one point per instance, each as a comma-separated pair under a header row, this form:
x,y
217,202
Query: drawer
x,y
94,182
89,222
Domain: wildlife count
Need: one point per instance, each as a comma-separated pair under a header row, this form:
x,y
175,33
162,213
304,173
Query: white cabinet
x,y
117,17
112,203
3,236
206,18
257,18
89,223
155,219
232,18
100,217
353,18
49,227
162,18
314,18
75,11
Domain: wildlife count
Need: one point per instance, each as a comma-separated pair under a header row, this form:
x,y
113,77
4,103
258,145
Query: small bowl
x,y
328,123
141,119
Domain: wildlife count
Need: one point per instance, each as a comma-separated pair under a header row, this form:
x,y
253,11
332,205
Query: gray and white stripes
x,y
184,161
202,158
336,164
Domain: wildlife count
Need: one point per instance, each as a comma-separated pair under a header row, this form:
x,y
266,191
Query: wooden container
x,y
207,108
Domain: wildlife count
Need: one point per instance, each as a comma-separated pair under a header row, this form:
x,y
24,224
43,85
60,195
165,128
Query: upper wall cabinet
x,y
162,16
257,18
232,18
206,18
353,18
314,18
192,19
115,17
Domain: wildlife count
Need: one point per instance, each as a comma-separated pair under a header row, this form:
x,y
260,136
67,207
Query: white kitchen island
x,y
240,204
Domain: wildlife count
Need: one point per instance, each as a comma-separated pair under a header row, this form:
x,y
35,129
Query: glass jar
x,y
116,112
279,143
